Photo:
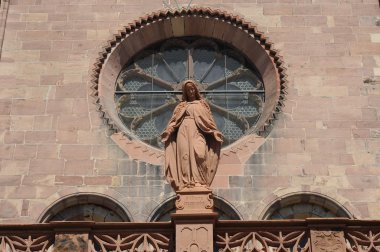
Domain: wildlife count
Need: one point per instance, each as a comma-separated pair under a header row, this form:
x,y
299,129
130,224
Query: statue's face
x,y
190,92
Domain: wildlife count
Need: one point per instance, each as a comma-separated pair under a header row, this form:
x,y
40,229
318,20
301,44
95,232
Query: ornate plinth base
x,y
194,200
194,220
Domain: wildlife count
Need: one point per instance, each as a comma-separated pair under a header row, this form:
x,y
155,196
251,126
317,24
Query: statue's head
x,y
190,91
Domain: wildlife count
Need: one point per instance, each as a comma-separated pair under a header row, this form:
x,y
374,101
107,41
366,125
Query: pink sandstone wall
x,y
53,142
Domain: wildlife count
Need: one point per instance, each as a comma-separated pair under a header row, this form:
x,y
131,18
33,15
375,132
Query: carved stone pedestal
x,y
194,200
194,220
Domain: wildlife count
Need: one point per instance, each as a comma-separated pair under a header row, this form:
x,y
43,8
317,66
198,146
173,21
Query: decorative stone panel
x,y
327,241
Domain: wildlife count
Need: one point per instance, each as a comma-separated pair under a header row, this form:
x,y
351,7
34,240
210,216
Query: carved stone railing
x,y
316,235
87,237
157,236
36,237
255,236
263,239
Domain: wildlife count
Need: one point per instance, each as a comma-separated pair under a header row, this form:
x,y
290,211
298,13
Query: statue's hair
x,y
184,94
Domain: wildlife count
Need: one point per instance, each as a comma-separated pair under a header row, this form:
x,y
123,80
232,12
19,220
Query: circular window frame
x,y
164,25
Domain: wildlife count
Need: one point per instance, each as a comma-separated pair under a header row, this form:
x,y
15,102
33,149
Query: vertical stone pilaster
x,y
194,232
194,220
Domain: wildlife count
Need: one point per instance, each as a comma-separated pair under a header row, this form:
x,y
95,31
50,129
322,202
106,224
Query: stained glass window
x,y
149,87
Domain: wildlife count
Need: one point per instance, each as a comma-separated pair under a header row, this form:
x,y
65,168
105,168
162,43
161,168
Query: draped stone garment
x,y
193,147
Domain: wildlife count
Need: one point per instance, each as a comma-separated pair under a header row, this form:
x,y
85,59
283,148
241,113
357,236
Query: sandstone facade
x,y
54,143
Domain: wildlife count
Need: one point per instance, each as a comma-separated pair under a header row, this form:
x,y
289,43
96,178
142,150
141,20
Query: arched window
x,y
301,206
86,207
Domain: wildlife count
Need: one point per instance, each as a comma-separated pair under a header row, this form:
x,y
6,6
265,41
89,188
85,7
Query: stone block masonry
x,y
53,144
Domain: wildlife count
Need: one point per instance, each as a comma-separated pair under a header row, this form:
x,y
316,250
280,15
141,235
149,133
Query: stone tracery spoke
x,y
139,72
239,120
232,88
190,64
172,72
208,70
153,113
224,80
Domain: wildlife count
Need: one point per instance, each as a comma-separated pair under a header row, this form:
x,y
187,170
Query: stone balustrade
x,y
335,234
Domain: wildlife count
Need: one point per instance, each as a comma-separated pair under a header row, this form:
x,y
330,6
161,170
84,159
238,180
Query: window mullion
x,y
152,93
190,64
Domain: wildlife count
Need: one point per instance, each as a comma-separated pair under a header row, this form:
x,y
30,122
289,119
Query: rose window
x,y
150,86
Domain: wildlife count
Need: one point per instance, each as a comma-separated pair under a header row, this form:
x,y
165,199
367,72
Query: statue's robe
x,y
193,147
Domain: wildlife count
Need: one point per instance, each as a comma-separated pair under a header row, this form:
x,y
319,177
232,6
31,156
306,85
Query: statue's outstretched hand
x,y
165,135
218,136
